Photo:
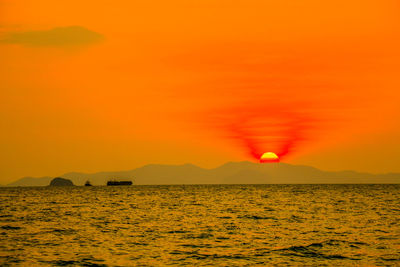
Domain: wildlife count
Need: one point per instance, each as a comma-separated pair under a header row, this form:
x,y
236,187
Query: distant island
x,y
229,173
58,181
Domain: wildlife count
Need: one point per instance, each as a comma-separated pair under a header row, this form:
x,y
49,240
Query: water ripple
x,y
201,225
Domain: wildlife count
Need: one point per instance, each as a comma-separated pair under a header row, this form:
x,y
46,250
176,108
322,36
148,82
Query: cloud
x,y
60,36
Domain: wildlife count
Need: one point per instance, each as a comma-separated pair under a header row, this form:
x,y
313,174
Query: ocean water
x,y
201,225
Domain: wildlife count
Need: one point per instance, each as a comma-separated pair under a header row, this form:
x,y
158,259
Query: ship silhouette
x,y
115,182
88,183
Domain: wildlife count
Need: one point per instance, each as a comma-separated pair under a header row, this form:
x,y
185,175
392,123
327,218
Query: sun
x,y
269,157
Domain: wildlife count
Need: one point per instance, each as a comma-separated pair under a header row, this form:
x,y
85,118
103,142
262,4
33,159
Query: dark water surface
x,y
215,225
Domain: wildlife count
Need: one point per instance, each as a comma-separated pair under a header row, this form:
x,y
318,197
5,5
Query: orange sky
x,y
197,81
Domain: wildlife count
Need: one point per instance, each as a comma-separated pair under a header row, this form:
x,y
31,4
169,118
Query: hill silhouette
x,y
229,173
59,181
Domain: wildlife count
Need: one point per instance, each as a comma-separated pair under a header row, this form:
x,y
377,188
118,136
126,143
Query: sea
x,y
201,225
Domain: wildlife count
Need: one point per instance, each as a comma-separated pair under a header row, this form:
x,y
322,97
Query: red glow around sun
x,y
257,131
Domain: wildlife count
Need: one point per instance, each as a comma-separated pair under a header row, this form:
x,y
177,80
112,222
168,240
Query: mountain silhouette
x,y
229,173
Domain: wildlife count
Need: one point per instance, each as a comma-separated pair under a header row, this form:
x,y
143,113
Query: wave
x,y
314,250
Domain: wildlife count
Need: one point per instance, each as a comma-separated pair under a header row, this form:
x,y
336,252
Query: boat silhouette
x,y
88,183
114,182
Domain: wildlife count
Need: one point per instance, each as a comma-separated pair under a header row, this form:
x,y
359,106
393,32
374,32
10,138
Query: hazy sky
x,y
112,85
